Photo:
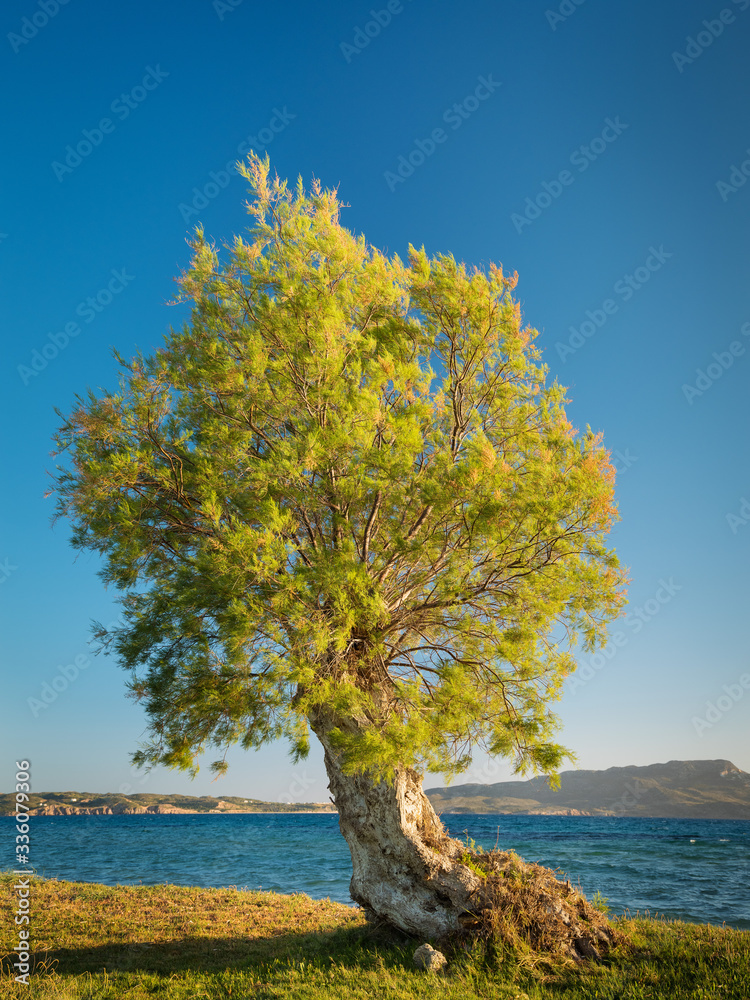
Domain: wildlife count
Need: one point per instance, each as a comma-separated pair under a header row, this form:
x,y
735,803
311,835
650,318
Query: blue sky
x,y
597,149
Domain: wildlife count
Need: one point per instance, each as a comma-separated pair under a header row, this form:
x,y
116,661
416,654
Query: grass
x,y
173,943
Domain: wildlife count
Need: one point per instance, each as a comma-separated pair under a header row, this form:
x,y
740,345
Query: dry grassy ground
x,y
95,941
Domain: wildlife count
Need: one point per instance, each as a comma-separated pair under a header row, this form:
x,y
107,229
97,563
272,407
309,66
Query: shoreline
x,y
562,814
177,812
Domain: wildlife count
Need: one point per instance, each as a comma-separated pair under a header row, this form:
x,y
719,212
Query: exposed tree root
x,y
525,906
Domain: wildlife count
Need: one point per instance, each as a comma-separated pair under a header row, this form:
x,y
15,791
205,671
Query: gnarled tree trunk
x,y
408,872
405,867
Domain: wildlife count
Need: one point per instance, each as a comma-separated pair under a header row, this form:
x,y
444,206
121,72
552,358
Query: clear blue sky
x,y
573,147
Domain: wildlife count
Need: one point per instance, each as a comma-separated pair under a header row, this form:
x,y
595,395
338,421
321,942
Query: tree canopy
x,y
345,485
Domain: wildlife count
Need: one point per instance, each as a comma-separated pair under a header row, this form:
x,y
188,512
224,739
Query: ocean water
x,y
696,870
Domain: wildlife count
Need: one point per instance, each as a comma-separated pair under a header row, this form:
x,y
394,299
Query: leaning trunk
x,y
409,873
405,867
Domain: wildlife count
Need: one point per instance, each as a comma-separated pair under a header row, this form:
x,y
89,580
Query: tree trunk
x,y
408,872
405,867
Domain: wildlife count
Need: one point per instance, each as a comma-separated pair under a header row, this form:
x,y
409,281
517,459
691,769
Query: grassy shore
x,y
173,943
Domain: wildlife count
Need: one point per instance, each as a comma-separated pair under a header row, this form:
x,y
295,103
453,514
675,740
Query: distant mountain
x,y
116,804
693,789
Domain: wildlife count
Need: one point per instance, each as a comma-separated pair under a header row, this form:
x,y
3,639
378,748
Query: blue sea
x,y
696,870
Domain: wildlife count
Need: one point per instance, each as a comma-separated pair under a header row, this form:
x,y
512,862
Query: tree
x,y
343,499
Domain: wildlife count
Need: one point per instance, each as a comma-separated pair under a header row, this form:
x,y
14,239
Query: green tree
x,y
343,499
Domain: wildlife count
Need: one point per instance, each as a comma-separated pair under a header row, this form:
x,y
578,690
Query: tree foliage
x,y
343,486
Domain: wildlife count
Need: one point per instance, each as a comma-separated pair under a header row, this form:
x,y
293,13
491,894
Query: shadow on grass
x,y
360,945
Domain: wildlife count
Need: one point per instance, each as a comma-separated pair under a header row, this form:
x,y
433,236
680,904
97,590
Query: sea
x,y
686,869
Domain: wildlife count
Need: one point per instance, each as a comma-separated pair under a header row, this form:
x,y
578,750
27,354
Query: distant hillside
x,y
113,803
694,789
